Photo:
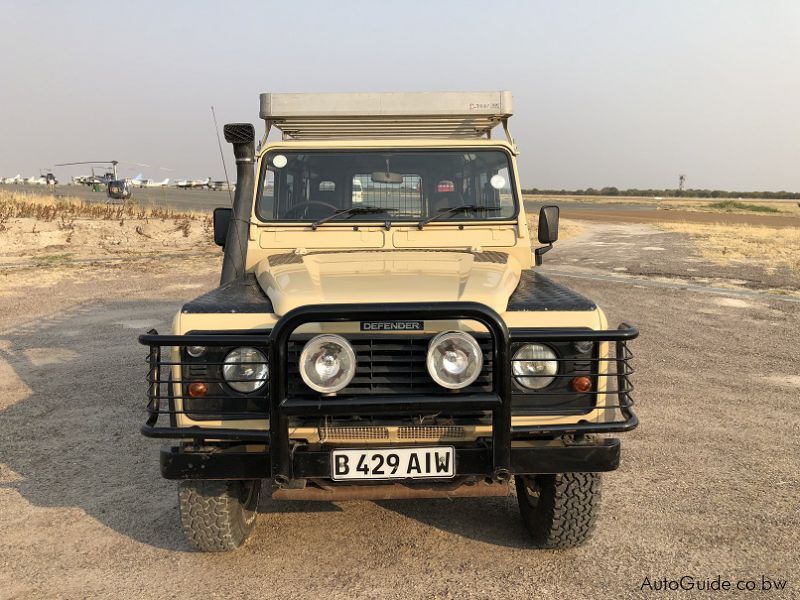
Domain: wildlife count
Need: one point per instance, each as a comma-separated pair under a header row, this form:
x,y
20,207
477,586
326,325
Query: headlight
x,y
454,359
534,366
327,363
245,369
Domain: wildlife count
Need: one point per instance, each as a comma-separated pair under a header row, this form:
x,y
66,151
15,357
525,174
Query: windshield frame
x,y
404,222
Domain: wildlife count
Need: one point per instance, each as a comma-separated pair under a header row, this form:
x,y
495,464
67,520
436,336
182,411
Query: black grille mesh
x,y
390,365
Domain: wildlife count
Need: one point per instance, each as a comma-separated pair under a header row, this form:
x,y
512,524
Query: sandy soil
x,y
36,231
708,484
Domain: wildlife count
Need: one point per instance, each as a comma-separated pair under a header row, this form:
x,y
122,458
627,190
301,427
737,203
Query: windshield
x,y
388,186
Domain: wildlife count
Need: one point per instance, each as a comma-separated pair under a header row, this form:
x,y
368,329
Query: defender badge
x,y
392,325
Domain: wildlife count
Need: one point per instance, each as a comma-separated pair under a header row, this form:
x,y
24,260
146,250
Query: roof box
x,y
386,115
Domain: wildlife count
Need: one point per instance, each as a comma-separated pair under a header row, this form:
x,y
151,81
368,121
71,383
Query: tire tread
x,y
212,516
567,509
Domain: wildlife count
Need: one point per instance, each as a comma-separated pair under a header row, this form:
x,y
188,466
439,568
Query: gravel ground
x,y
639,250
708,484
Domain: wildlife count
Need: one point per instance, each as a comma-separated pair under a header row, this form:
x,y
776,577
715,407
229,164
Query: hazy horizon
x,y
622,94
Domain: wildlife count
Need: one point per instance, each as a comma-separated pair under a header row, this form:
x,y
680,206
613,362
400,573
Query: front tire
x,y
218,515
559,510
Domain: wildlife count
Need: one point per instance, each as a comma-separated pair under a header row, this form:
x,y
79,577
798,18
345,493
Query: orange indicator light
x,y
198,389
581,384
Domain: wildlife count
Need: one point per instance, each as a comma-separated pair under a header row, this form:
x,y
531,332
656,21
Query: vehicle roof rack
x,y
387,115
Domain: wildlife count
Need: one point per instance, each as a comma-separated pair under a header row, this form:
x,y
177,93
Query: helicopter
x,y
116,188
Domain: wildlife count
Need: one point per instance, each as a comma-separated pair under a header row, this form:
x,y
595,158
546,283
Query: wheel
x,y
559,510
218,515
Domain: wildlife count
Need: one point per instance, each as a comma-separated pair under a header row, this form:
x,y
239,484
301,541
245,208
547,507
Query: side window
x,y
287,193
267,207
500,184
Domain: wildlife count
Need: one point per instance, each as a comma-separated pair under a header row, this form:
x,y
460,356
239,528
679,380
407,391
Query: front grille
x,y
390,364
346,433
430,432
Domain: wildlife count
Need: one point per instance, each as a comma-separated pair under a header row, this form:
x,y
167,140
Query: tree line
x,y
690,193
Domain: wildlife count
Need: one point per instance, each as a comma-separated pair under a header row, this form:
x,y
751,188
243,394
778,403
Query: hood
x,y
292,280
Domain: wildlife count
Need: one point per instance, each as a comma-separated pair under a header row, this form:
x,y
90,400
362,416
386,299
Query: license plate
x,y
394,463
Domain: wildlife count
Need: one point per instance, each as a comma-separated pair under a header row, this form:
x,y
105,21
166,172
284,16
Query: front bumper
x,y
519,449
529,457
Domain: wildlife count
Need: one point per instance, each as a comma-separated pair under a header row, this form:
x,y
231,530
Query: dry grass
x,y
49,208
770,247
749,205
44,230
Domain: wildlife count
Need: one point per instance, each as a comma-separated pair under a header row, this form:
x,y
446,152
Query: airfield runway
x,y
708,484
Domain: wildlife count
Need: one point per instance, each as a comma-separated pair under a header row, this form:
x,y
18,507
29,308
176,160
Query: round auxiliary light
x,y
195,351
454,359
534,366
245,369
327,363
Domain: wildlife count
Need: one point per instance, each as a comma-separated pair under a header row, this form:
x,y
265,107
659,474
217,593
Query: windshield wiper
x,y
353,210
453,210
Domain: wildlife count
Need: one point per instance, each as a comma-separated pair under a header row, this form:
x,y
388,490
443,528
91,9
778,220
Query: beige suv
x,y
391,339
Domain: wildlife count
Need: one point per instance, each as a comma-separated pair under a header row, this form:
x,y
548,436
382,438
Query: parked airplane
x,y
186,184
151,183
221,185
12,180
138,181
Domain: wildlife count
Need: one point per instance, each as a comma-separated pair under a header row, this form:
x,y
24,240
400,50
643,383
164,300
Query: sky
x,y
612,93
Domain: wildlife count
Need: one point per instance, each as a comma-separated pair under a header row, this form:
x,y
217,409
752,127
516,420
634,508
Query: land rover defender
x,y
383,330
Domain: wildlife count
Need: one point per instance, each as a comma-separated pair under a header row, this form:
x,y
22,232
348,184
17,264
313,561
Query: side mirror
x,y
548,230
222,220
548,224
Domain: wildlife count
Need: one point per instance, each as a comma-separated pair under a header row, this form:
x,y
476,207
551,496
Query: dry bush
x,y
66,223
183,226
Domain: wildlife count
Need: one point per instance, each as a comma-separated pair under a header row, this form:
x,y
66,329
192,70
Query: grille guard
x,y
281,407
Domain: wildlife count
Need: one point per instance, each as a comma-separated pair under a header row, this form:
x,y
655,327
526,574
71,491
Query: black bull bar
x,y
285,464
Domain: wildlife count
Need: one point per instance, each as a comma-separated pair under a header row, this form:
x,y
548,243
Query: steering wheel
x,y
302,210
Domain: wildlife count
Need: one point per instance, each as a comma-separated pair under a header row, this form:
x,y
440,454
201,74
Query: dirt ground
x,y
653,212
708,484
613,215
618,251
49,231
